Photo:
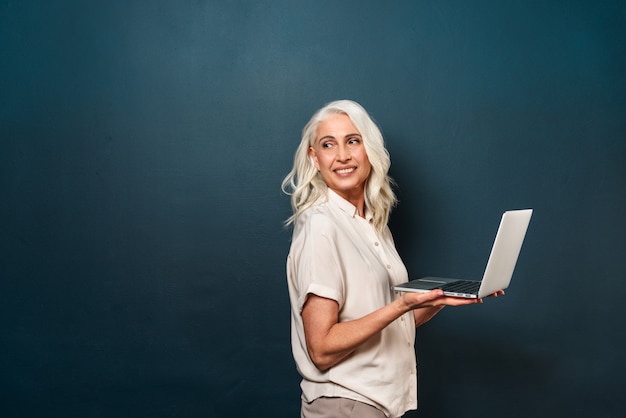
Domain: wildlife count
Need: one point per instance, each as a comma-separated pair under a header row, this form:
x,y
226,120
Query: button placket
x,y
382,255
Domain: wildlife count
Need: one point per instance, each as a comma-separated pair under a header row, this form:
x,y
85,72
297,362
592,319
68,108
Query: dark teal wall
x,y
142,149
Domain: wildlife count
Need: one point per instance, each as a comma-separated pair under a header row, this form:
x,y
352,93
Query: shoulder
x,y
319,218
316,227
315,232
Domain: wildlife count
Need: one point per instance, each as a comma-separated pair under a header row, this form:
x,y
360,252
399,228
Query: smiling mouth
x,y
345,170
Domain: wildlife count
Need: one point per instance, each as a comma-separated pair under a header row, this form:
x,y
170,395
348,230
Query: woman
x,y
352,336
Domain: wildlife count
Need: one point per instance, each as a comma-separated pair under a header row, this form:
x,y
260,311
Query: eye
x,y
354,141
327,145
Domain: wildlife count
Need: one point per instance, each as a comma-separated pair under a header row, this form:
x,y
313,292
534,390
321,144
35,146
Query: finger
x,y
457,301
496,294
432,295
416,300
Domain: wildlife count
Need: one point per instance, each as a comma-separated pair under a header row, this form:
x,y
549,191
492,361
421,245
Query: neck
x,y
356,199
359,204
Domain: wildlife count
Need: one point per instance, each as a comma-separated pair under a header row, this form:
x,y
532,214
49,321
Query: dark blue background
x,y
142,148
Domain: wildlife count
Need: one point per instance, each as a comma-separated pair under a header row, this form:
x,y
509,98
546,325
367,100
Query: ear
x,y
313,156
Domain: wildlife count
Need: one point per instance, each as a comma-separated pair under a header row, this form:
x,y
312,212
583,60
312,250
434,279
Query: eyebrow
x,y
332,137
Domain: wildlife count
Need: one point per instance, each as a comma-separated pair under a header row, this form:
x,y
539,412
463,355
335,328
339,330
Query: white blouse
x,y
338,255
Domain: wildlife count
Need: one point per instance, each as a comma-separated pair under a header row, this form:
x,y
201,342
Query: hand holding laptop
x,y
438,298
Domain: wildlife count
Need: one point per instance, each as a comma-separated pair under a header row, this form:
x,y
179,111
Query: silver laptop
x,y
499,270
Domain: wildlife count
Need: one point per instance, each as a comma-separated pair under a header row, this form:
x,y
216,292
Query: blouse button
x,y
376,244
389,266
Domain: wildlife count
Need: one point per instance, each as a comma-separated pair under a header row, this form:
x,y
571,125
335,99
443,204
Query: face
x,y
339,155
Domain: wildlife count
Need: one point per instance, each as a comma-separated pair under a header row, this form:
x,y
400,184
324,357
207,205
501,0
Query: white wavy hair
x,y
305,185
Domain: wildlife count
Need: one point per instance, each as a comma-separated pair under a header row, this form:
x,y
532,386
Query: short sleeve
x,y
316,268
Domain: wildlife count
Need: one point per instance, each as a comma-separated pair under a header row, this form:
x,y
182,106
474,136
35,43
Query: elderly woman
x,y
352,335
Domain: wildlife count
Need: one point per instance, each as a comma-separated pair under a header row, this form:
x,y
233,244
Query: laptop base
x,y
450,287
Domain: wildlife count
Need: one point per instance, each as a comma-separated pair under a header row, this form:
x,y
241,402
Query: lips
x,y
344,171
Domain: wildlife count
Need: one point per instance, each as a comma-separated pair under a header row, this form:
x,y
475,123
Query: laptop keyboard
x,y
461,287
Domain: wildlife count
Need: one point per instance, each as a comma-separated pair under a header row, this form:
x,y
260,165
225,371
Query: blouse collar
x,y
346,206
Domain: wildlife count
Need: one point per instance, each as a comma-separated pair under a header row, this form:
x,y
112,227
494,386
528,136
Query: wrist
x,y
402,306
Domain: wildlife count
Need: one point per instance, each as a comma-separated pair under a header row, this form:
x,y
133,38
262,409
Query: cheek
x,y
368,168
322,162
366,161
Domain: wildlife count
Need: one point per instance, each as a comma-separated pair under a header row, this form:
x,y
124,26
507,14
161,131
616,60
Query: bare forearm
x,y
424,315
342,338
330,341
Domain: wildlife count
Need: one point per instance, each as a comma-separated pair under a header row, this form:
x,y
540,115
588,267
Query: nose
x,y
343,153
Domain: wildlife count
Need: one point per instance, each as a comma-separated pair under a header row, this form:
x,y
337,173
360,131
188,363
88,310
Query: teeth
x,y
346,170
